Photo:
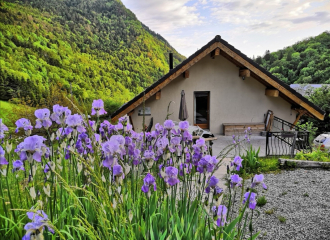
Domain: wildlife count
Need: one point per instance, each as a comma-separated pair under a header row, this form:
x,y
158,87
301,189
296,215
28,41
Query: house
x,y
223,87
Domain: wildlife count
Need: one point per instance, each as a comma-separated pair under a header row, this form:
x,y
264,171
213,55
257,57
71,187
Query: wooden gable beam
x,y
269,80
215,52
301,113
186,74
158,95
272,92
173,76
244,73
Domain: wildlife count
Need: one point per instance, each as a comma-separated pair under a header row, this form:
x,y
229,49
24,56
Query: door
x,y
202,109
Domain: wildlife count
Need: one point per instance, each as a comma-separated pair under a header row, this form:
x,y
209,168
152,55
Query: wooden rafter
x,y
186,74
158,95
215,52
244,73
272,92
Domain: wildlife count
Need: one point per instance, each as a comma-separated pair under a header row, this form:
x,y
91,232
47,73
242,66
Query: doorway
x,y
202,109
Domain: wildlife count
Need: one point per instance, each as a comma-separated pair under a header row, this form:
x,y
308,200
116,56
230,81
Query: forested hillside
x,y
97,46
307,61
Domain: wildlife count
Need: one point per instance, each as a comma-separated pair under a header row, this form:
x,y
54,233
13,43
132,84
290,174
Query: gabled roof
x,y
240,60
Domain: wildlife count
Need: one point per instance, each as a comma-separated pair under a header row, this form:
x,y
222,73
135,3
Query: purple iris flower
x,y
136,156
48,167
186,136
218,190
237,162
211,183
117,170
175,144
149,155
222,215
252,200
84,144
202,166
147,182
123,120
75,121
200,142
3,129
92,124
257,180
43,119
32,148
118,173
98,108
185,168
159,128
171,176
169,124
3,160
23,123
235,181
60,114
119,139
18,165
37,225
184,125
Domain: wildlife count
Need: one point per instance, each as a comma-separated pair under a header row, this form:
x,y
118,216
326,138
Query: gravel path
x,y
302,197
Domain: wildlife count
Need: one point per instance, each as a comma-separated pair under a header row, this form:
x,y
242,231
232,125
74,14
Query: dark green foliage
x,y
307,61
321,98
250,160
95,49
261,201
282,219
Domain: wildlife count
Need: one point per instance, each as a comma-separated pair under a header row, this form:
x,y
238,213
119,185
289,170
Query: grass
x,y
261,201
306,195
282,219
284,193
266,165
270,211
5,109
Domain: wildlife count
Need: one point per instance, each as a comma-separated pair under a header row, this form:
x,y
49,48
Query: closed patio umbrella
x,y
183,114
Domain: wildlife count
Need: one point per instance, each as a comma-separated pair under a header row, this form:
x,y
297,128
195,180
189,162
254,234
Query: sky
x,y
251,26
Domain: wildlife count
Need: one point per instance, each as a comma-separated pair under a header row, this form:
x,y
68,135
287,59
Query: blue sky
x,y
252,26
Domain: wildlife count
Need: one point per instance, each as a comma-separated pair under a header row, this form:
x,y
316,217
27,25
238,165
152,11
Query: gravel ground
x,y
302,197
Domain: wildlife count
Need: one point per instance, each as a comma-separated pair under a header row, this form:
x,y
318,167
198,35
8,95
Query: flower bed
x,y
87,179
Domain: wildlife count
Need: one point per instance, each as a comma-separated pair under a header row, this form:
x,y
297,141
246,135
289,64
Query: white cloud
x,y
250,25
164,15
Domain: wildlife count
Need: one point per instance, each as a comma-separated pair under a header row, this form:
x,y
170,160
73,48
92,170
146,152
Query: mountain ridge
x,y
97,48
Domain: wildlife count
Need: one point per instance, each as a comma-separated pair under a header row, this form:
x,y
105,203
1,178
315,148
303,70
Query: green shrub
x,y
261,201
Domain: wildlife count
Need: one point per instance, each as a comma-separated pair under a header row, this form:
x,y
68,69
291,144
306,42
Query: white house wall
x,y
232,100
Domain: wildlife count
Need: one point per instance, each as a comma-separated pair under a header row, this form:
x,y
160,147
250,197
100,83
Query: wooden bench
x,y
230,129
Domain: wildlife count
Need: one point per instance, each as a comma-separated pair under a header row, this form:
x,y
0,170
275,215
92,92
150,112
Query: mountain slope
x,y
97,46
307,61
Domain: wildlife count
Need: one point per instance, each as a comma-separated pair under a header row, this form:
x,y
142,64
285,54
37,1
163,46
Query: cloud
x,y
318,17
250,24
164,15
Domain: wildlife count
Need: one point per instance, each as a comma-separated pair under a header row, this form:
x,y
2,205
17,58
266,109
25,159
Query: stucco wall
x,y
232,100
